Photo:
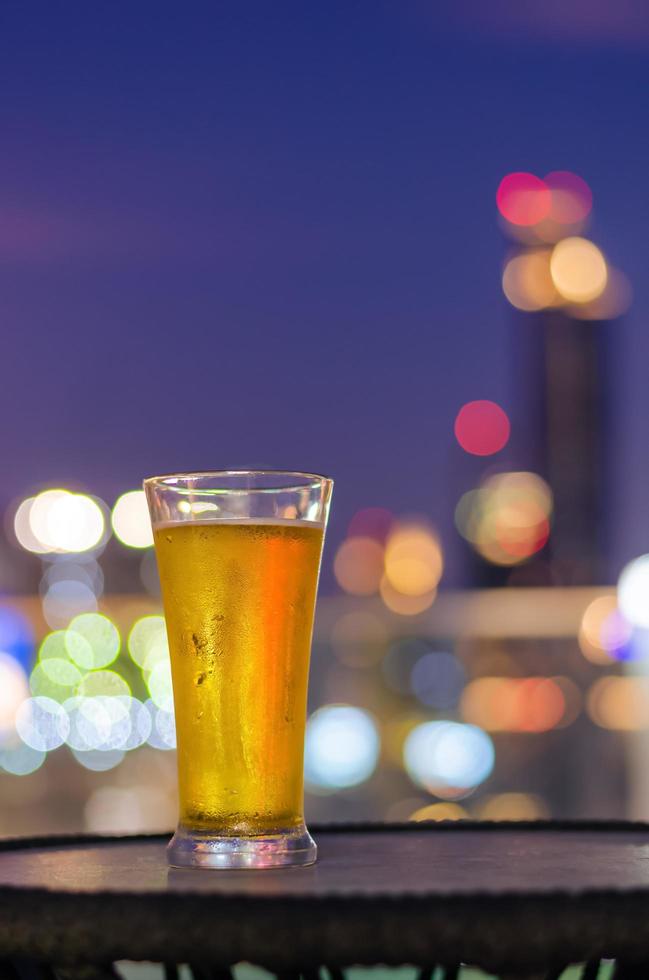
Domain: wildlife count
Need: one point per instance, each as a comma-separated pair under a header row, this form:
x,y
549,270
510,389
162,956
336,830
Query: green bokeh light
x,y
92,641
148,639
55,678
103,682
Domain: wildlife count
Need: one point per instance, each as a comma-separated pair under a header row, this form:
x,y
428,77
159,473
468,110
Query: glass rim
x,y
175,481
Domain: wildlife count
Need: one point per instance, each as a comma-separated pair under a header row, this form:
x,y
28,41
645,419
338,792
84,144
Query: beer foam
x,y
235,521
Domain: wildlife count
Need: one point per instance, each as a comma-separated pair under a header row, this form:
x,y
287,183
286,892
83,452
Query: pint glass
x,y
239,555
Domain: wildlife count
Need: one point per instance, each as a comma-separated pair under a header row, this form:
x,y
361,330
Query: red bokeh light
x,y
371,522
523,199
571,197
482,428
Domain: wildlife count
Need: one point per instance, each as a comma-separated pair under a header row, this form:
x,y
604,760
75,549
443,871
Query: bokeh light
x,y
482,428
160,686
604,634
98,761
22,528
620,703
439,811
358,566
16,635
13,691
440,755
578,270
56,678
527,282
130,520
508,519
413,559
60,522
513,806
341,748
147,641
42,723
20,759
437,680
65,599
514,704
405,605
92,641
633,592
523,199
107,683
571,199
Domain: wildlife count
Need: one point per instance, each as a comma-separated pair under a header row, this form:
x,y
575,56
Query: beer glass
x,y
239,555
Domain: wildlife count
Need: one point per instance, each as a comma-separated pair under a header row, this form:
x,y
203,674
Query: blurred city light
x,y
20,759
513,806
592,633
42,723
107,683
437,680
571,199
633,592
439,811
148,640
65,599
523,199
16,635
405,605
342,747
514,704
442,755
56,678
60,522
131,521
482,428
413,559
620,703
13,691
527,282
578,270
358,566
92,641
507,520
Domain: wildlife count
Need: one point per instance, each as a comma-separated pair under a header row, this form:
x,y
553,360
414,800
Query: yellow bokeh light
x,y
358,566
405,605
440,811
620,703
54,678
527,282
103,682
130,520
513,806
578,270
413,560
590,630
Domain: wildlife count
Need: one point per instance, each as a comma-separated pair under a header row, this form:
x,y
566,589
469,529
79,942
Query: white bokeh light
x,y
447,754
130,520
42,723
342,747
633,592
64,522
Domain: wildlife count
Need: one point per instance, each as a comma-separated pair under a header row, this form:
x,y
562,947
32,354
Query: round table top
x,y
523,896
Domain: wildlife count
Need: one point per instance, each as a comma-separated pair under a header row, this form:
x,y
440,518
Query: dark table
x,y
516,899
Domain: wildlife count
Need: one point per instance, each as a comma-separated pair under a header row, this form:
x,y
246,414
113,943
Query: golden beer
x,y
239,599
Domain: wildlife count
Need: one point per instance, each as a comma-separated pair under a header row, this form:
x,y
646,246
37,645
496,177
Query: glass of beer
x,y
239,556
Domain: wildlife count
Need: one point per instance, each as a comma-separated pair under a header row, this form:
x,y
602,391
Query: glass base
x,y
200,849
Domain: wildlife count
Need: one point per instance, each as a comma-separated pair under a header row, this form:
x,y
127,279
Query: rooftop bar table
x,y
517,899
